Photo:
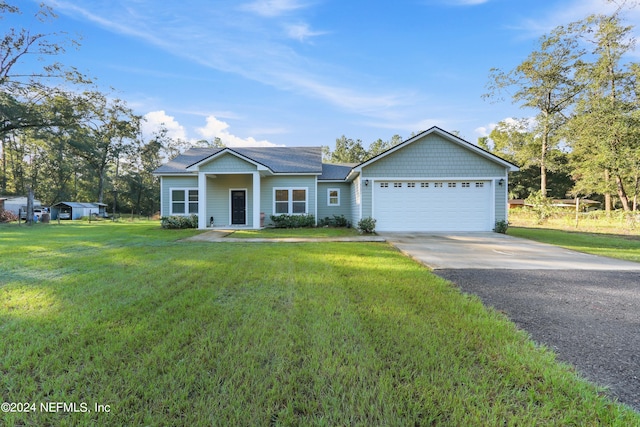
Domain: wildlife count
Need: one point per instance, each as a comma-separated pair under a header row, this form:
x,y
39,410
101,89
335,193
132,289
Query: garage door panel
x,y
426,207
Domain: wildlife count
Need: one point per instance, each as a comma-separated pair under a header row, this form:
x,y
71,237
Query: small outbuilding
x,y
17,203
77,210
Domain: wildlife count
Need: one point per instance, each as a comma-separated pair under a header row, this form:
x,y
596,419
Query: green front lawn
x,y
609,245
169,332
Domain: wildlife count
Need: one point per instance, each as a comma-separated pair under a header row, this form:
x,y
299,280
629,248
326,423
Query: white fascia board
x,y
174,174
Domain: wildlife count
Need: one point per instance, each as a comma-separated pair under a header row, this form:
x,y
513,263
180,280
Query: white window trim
x,y
290,200
329,190
186,200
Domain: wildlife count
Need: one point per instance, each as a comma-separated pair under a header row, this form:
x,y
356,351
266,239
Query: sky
x,y
305,72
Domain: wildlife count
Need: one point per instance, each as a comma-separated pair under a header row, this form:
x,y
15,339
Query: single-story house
x,y
77,210
434,181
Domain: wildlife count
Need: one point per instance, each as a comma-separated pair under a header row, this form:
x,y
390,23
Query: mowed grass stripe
x,y
169,332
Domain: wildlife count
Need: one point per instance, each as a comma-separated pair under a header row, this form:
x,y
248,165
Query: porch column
x,y
256,200
202,200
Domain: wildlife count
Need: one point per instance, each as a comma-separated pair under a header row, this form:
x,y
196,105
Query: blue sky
x,y
305,72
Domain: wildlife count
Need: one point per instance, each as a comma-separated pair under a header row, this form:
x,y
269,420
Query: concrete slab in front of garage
x,y
488,250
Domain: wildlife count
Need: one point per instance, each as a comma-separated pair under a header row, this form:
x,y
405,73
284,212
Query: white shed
x,y
77,210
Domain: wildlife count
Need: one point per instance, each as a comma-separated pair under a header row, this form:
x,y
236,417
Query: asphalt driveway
x,y
585,308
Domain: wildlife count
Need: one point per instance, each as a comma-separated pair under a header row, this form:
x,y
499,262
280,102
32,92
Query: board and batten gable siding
x,y
169,182
293,181
433,157
324,210
227,163
219,197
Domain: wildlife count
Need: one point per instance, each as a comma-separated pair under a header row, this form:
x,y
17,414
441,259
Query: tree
x,y
108,129
517,142
544,82
350,151
605,131
22,91
379,146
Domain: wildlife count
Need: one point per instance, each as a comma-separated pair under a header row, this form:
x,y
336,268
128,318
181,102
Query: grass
x,y
617,222
168,333
609,245
295,232
614,237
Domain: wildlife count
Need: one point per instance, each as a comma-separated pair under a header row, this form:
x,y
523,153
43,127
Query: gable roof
x,y
277,159
449,137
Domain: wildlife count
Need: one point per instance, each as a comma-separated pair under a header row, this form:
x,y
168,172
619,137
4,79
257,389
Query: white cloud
x,y
301,32
571,11
468,2
218,129
155,120
530,123
272,8
232,46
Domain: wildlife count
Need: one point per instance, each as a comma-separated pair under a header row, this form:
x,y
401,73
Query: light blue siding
x,y
169,182
219,198
432,157
356,201
501,201
324,210
297,181
227,163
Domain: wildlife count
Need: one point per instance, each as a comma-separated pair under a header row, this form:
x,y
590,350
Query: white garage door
x,y
432,205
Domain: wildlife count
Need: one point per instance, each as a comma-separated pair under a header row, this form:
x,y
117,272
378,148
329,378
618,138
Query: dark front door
x,y
238,207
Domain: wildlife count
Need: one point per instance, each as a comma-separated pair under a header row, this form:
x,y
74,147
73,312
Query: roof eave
x,y
449,136
195,167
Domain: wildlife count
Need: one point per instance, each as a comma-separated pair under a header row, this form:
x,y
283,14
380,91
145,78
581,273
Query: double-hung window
x,y
184,201
333,197
290,201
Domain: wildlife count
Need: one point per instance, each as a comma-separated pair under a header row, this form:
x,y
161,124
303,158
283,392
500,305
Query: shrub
x,y
340,221
367,225
336,221
540,205
501,226
293,221
179,222
7,216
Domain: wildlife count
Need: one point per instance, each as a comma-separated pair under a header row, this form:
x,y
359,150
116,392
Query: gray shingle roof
x,y
336,171
277,159
180,163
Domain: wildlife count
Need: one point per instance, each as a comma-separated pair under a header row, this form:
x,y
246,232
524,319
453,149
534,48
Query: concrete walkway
x,y
219,236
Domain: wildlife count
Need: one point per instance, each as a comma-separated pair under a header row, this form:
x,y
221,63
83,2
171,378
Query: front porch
x,y
229,201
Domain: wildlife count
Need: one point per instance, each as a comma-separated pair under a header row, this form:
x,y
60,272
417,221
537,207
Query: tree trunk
x,y
29,206
624,199
543,156
543,168
3,181
607,195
